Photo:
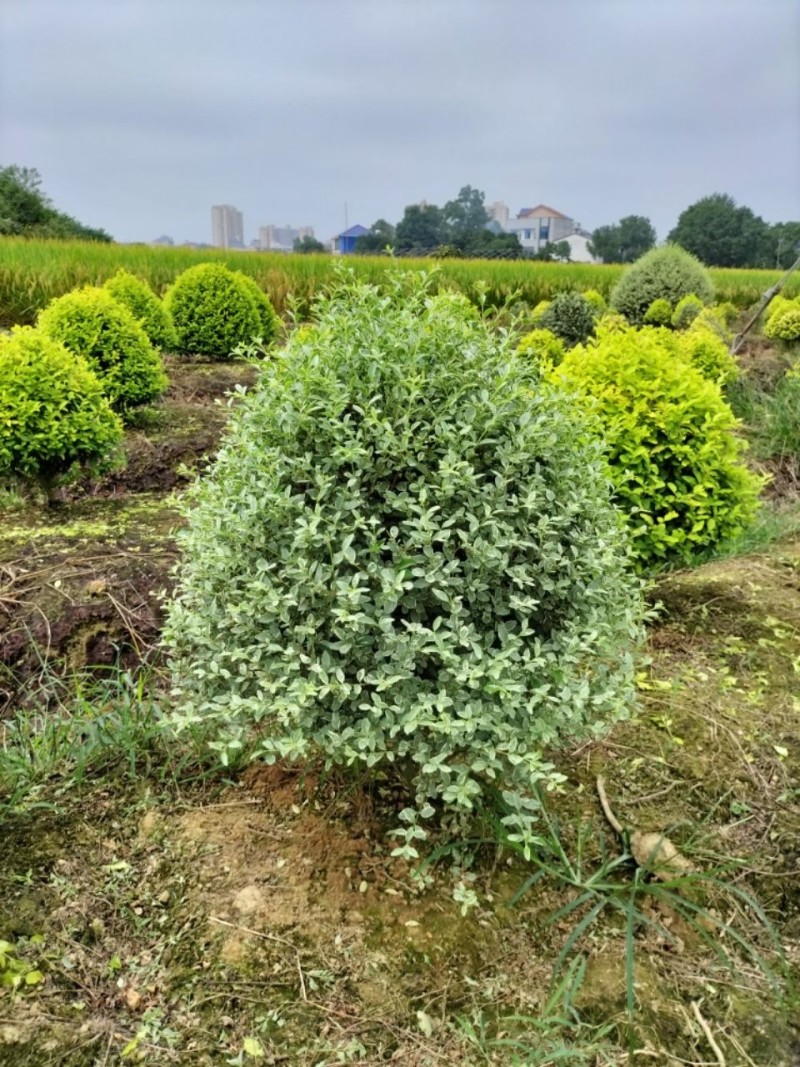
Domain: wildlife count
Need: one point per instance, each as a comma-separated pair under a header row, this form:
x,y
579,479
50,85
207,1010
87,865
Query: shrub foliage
x,y
659,313
213,311
92,324
673,454
708,353
137,296
542,347
269,321
686,311
668,273
596,299
569,316
405,552
53,414
785,325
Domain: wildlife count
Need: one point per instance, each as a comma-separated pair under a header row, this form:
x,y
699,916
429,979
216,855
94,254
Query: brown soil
x,y
80,586
784,479
169,442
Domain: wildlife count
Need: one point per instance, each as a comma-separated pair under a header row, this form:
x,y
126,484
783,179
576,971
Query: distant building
x,y
498,212
537,226
163,240
282,238
344,244
579,247
227,226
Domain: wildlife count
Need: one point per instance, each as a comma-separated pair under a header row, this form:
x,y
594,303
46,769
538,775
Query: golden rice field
x,y
32,272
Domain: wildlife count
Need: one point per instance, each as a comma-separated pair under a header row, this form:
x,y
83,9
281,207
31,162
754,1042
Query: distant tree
x,y
27,212
623,242
22,205
721,234
783,244
381,234
308,244
421,228
549,253
465,216
559,250
486,243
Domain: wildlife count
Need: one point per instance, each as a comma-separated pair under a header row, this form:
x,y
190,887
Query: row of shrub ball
x,y
96,354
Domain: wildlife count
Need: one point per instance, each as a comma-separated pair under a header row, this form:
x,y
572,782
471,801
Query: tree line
x,y
720,232
715,229
25,211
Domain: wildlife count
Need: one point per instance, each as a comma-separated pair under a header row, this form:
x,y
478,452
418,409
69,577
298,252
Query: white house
x,y
579,248
538,226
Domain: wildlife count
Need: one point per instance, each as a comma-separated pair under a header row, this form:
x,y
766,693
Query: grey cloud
x,y
141,113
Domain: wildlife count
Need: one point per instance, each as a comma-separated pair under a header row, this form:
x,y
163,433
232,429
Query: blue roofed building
x,y
344,244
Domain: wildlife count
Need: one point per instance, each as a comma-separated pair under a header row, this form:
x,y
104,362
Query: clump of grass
x,y
78,729
557,1035
604,883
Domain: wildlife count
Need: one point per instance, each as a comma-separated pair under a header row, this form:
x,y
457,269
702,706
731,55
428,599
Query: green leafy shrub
x,y
708,319
659,313
611,322
570,316
686,311
93,324
543,347
269,320
777,306
674,457
669,273
405,552
538,312
54,417
596,300
137,296
726,312
707,352
785,326
213,311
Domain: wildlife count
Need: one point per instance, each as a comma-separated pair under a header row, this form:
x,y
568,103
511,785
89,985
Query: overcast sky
x,y
141,114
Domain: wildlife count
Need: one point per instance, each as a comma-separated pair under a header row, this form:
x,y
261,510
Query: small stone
x,y
249,900
133,998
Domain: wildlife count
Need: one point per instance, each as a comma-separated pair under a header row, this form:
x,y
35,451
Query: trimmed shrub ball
x,y
137,296
686,311
785,326
92,324
542,347
269,320
54,417
213,311
406,554
674,456
667,273
569,316
659,313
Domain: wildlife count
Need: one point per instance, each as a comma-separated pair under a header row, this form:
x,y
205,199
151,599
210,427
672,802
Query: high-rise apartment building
x,y
282,238
498,211
227,227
